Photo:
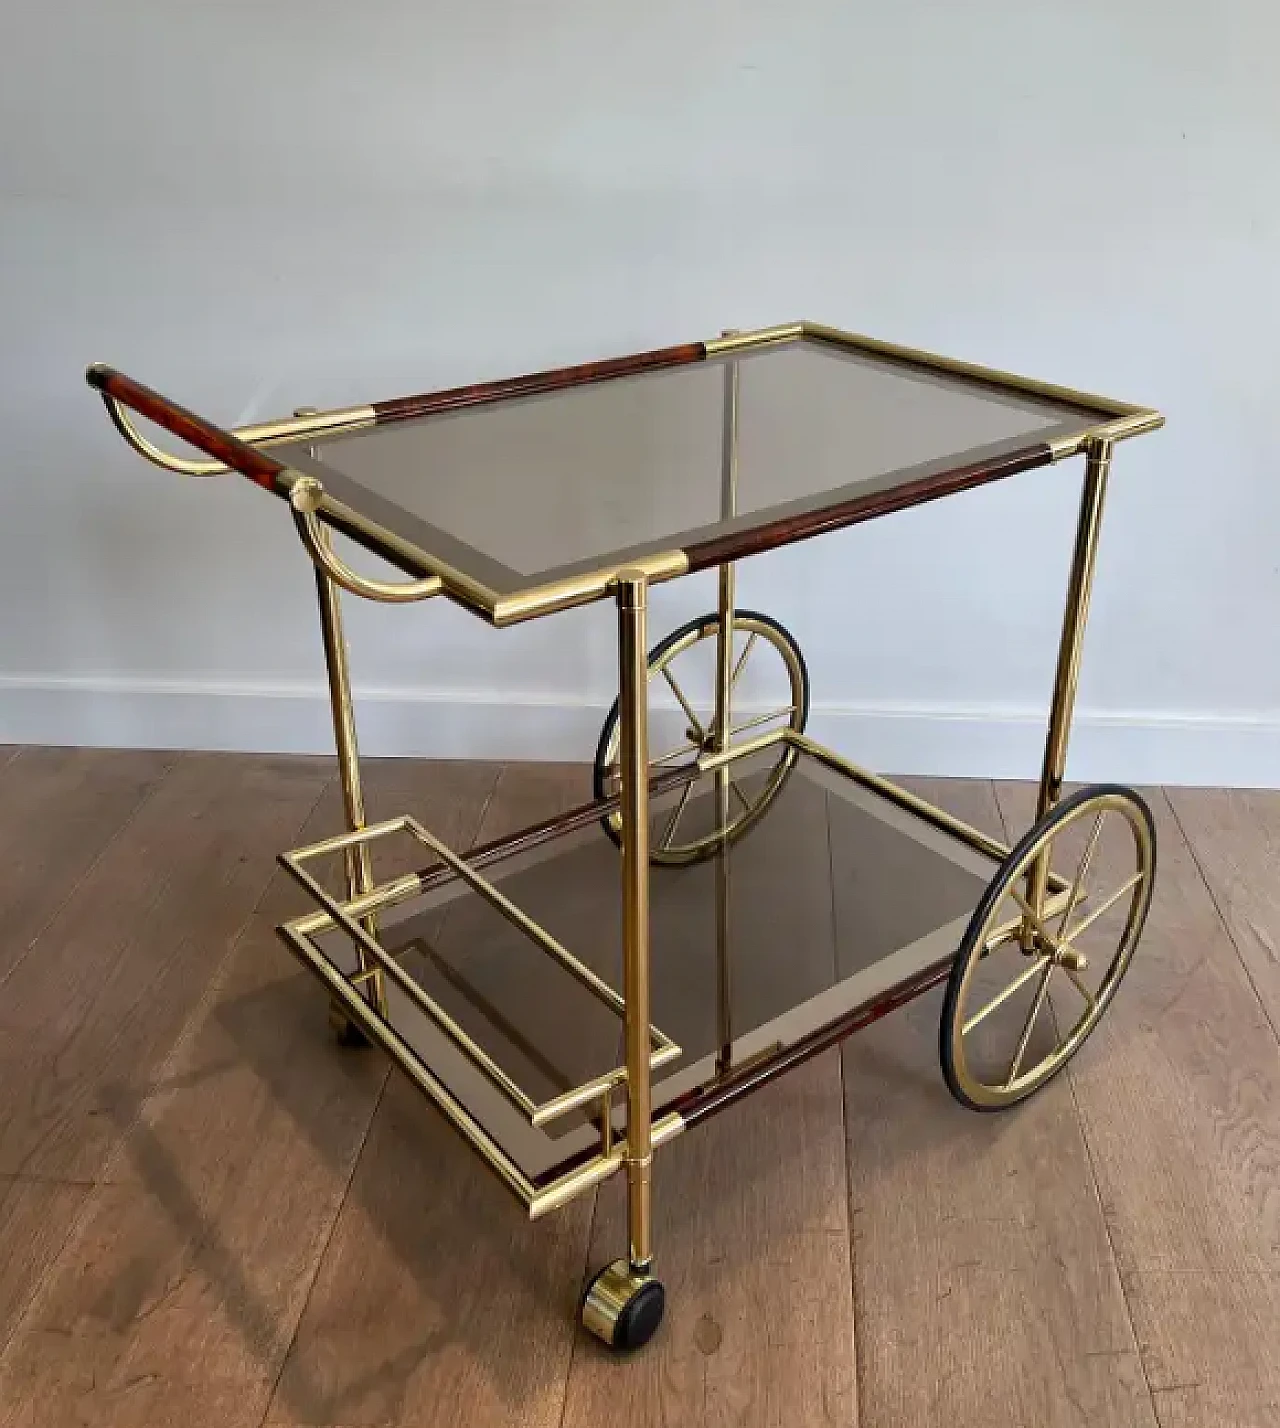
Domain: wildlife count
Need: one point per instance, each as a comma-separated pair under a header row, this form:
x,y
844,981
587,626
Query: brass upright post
x,y
632,596
728,508
1079,588
724,707
358,864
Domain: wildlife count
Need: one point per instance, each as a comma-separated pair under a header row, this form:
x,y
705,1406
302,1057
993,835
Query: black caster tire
x,y
622,1308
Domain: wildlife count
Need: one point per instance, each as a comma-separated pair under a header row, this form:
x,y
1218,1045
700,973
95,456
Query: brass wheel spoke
x,y
670,758
742,659
1042,991
1079,983
999,1000
1127,886
1082,871
762,719
670,831
694,721
742,797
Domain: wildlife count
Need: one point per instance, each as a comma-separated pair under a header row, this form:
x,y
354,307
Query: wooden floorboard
x,y
438,1302
210,1215
178,1295
1209,1342
98,1004
986,1289
1234,835
36,1216
61,808
1179,1093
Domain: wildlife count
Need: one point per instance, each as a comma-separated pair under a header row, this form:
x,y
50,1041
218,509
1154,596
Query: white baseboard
x,y
1220,749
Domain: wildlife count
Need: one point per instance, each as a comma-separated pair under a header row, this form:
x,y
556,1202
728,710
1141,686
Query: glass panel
x,y
571,478
833,897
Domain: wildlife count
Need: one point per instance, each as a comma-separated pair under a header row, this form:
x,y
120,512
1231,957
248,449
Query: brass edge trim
x,y
592,1090
586,1177
339,842
858,342
930,812
402,1054
1137,424
270,433
259,434
1066,447
392,894
1133,424
760,337
582,589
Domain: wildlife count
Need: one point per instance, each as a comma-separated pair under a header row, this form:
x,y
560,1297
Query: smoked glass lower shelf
x,y
834,898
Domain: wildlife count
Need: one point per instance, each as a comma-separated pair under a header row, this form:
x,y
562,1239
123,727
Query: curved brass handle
x,y
237,449
184,465
305,498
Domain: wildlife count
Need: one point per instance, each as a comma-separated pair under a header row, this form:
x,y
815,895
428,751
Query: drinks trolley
x,y
736,897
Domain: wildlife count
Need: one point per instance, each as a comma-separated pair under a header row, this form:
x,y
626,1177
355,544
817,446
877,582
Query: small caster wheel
x,y
345,1031
623,1307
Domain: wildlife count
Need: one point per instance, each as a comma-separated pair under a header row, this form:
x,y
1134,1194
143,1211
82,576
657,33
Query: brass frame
x,y
362,996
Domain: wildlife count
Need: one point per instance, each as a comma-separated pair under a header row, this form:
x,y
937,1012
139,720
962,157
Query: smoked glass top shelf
x,y
528,495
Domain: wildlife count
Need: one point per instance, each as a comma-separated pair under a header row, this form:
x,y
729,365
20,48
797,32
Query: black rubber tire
x,y
995,891
702,624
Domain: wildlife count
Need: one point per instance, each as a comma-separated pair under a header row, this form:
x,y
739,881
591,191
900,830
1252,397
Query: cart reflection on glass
x,y
775,896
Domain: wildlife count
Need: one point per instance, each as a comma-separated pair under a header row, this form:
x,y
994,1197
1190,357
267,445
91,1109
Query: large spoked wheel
x,y
683,666
1025,990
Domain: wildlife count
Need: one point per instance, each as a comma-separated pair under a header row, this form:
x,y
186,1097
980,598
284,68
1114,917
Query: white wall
x,y
258,205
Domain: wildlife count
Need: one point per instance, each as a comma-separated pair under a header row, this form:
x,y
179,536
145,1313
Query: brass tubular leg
x,y
1079,589
359,864
728,506
632,595
724,984
724,707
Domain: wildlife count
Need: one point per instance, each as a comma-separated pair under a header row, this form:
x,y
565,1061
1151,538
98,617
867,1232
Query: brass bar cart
x,y
736,897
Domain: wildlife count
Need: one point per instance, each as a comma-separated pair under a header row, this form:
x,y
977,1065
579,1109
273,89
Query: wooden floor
x,y
210,1215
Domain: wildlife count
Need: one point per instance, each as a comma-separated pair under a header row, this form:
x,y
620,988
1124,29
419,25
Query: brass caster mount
x,y
623,1306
